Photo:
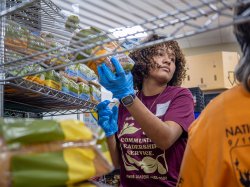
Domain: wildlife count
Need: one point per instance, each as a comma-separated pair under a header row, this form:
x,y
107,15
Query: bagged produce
x,y
84,91
46,153
16,36
73,88
111,47
86,73
72,22
36,43
37,78
50,43
90,120
53,80
58,61
65,84
72,71
86,37
95,94
49,38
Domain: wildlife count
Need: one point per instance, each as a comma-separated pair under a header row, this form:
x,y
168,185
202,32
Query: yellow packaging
x,y
53,80
36,78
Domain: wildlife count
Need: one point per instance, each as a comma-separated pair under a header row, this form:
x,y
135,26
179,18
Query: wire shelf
x,y
65,112
27,96
175,19
13,113
21,114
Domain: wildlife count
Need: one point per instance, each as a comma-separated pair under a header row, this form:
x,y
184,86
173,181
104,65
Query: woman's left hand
x,y
107,118
119,83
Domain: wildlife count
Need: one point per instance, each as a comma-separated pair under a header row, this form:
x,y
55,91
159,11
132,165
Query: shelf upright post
x,y
2,74
78,115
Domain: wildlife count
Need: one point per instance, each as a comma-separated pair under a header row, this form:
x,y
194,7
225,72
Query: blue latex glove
x,y
119,83
107,118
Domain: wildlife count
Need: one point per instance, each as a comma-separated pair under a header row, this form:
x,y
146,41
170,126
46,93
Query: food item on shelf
x,y
63,73
19,72
80,73
95,94
86,73
45,153
126,62
72,22
95,83
79,80
49,39
58,61
71,70
58,55
84,91
37,78
36,43
86,37
16,36
73,88
65,83
53,80
111,47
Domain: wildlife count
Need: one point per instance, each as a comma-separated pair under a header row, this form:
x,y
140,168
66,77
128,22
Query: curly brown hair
x,y
143,59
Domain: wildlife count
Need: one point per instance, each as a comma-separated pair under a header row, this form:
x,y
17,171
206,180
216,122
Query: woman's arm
x,y
112,144
163,134
107,119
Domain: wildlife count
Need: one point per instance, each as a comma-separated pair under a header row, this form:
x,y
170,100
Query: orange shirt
x,y
218,149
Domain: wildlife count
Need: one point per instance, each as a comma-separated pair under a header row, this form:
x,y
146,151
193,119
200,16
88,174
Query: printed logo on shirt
x,y
239,141
241,164
133,146
161,109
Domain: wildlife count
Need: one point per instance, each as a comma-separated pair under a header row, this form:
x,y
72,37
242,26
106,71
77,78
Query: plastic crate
x,y
209,97
198,97
196,114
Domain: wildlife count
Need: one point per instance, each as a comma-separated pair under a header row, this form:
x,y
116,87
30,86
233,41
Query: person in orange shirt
x,y
218,148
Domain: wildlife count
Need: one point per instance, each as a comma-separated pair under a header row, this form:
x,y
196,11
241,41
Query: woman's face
x,y
165,65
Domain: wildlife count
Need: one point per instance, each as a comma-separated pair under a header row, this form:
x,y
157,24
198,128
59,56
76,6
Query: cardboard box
x,y
211,71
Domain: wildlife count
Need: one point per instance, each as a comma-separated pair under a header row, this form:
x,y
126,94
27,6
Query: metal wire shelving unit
x,y
175,19
23,98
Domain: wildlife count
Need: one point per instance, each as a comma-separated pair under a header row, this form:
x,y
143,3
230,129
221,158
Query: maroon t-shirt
x,y
142,163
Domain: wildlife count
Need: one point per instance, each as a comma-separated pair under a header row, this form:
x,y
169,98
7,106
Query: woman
x,y
149,141
218,148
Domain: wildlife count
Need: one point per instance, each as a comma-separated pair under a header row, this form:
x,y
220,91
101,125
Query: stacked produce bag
x,y
47,153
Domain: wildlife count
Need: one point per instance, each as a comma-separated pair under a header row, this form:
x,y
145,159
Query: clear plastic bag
x,y
112,47
46,153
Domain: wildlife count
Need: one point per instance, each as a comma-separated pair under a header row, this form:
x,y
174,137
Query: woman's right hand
x,y
107,118
120,83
